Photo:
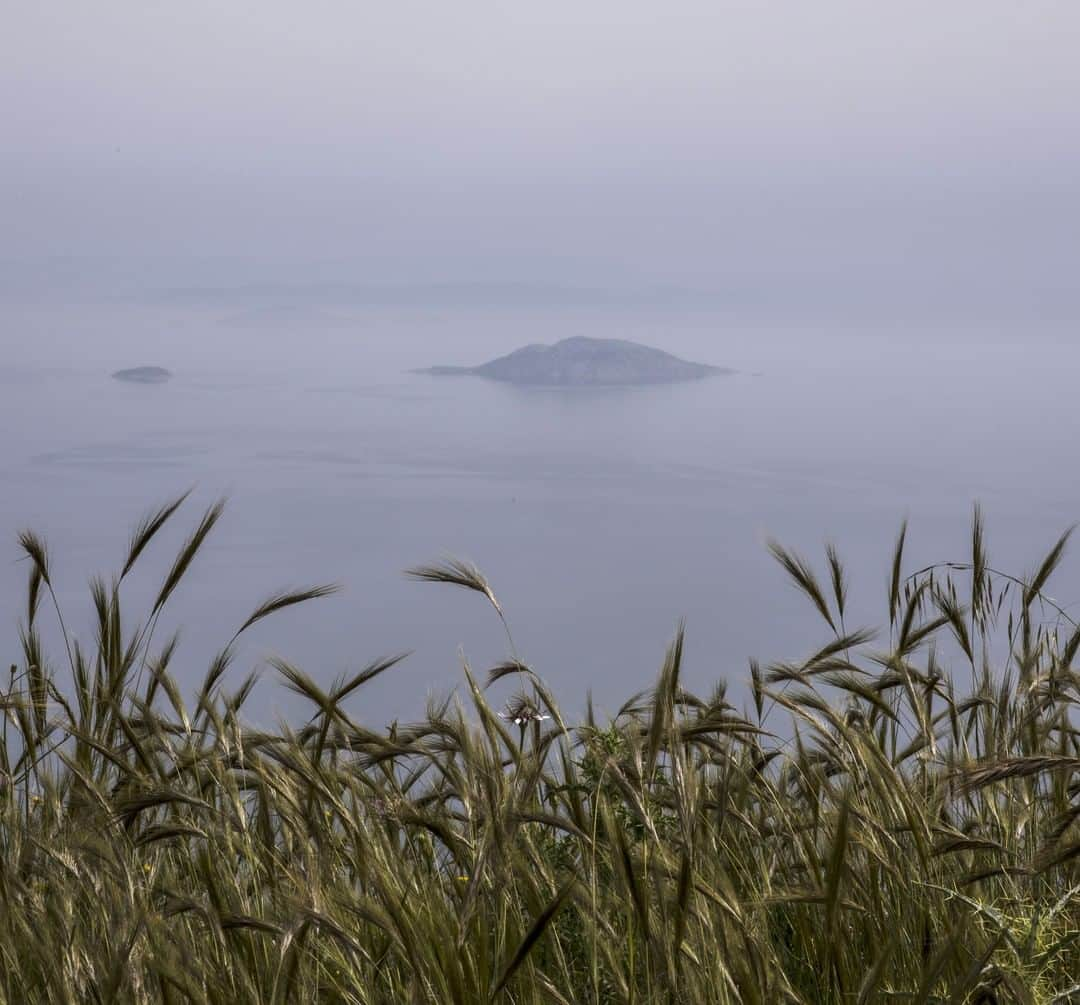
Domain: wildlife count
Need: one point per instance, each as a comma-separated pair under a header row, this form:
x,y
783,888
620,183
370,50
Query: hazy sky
x,y
928,148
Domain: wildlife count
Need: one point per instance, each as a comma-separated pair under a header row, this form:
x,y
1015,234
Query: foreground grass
x,y
895,821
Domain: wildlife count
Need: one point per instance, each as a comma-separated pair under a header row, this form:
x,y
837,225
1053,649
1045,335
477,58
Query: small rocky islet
x,y
143,375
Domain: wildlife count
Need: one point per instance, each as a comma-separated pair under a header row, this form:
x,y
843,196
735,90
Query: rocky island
x,y
144,375
585,362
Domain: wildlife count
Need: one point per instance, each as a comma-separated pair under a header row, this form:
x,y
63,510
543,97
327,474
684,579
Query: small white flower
x,y
521,711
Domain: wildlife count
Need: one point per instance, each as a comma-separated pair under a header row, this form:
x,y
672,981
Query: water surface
x,y
601,517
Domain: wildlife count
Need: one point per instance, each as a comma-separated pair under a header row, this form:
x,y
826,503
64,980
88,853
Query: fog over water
x,y
600,516
873,215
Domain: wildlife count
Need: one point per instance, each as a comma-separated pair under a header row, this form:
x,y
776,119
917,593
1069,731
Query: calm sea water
x,y
600,517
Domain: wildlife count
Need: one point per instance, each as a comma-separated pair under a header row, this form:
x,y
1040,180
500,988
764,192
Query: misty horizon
x,y
876,210
832,160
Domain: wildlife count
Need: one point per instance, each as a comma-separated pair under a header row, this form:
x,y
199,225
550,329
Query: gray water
x,y
600,517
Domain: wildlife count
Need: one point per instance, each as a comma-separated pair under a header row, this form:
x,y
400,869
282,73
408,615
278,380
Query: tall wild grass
x,y
895,818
